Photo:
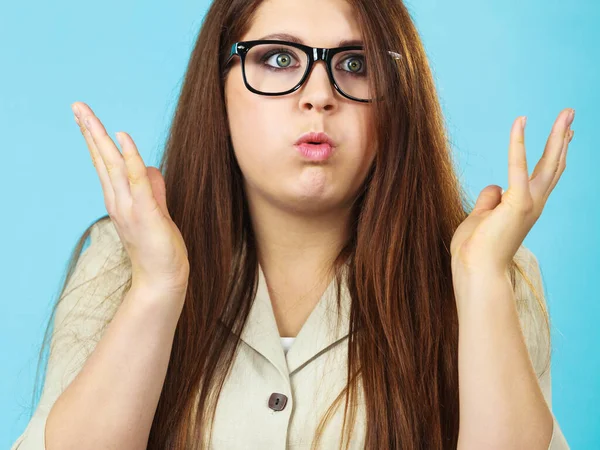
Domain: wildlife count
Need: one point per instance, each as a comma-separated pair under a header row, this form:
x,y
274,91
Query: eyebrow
x,y
297,40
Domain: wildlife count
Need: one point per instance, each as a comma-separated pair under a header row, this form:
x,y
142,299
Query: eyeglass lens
x,y
277,68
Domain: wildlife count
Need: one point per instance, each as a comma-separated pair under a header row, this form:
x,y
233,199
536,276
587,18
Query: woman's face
x,y
264,129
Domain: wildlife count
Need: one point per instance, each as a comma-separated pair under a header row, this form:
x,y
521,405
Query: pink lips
x,y
315,152
315,146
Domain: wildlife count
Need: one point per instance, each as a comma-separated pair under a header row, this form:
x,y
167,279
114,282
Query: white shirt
x,y
287,342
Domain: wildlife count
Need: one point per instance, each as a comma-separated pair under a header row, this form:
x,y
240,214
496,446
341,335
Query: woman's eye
x,y
354,65
281,60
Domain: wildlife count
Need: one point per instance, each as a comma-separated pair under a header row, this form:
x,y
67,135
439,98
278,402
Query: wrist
x,y
481,291
157,298
175,283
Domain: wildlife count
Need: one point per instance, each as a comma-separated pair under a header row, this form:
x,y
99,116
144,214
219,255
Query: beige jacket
x,y
307,378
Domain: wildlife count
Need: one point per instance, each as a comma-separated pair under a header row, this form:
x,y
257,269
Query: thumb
x,y
158,189
488,199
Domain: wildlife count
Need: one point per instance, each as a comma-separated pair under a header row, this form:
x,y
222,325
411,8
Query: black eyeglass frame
x,y
314,54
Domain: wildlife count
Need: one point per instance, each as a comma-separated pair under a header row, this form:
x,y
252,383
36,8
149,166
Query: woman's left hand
x,y
490,236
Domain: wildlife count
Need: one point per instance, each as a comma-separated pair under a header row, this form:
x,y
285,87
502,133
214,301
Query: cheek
x,y
256,130
360,144
258,125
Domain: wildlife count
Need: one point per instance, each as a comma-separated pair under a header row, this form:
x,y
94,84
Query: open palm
x,y
490,236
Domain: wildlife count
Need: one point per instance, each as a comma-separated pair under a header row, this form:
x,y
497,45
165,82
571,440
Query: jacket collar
x,y
318,333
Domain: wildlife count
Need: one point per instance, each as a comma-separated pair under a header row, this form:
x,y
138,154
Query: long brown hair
x,y
399,277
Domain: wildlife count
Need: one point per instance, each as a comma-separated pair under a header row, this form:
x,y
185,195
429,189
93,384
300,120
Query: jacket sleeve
x,y
537,339
88,303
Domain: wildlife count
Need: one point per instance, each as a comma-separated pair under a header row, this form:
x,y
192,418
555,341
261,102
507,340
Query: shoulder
x,y
532,308
104,230
99,278
105,254
102,247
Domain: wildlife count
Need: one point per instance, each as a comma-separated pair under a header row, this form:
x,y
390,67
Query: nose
x,y
317,91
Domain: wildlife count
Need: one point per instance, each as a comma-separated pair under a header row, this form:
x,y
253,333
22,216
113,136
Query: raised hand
x,y
134,196
490,236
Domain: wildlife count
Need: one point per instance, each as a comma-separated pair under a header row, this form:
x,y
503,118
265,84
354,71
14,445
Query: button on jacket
x,y
271,400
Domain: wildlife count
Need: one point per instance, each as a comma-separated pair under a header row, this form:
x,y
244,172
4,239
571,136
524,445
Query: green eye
x,y
283,59
355,65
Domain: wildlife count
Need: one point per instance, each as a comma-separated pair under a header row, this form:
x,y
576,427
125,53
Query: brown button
x,y
277,401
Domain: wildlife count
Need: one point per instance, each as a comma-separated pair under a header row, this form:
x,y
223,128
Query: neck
x,y
296,252
297,246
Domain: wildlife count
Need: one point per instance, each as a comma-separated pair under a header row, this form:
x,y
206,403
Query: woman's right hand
x,y
135,199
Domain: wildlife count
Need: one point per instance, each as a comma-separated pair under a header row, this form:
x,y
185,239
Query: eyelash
x,y
276,51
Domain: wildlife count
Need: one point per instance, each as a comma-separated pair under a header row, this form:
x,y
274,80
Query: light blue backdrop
x,y
493,61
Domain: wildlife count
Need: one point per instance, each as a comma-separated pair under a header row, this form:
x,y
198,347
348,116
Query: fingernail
x,y
88,123
523,122
75,110
120,139
570,117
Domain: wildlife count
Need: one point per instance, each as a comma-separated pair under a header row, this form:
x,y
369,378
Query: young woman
x,y
306,195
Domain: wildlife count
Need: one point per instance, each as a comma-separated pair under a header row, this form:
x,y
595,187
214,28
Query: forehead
x,y
318,23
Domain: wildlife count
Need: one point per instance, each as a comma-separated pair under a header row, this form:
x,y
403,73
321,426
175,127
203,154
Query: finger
x,y
159,191
548,149
562,163
518,175
107,189
548,173
139,184
114,162
488,199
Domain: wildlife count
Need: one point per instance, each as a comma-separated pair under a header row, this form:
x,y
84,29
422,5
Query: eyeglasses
x,y
347,67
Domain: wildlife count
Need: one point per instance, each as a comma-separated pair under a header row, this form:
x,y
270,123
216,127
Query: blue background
x,y
493,61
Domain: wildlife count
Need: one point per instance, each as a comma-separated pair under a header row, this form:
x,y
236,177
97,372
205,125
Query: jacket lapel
x,y
319,332
260,331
